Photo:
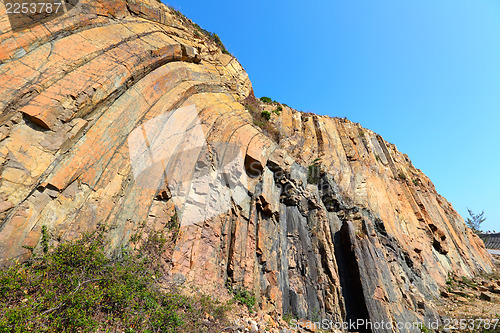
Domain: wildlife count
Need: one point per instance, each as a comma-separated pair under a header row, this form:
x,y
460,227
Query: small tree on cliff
x,y
475,220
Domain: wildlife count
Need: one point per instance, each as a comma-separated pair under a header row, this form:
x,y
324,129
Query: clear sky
x,y
423,74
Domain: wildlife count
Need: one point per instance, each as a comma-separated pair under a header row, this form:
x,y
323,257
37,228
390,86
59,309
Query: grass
x,y
468,282
246,298
242,296
212,36
75,287
450,280
424,329
259,123
288,317
314,172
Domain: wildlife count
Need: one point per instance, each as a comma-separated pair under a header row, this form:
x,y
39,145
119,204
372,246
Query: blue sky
x,y
423,74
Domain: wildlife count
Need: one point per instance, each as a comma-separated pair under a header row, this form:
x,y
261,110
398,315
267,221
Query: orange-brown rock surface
x,y
333,221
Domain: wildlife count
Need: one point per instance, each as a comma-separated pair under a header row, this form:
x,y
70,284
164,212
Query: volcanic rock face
x,y
330,222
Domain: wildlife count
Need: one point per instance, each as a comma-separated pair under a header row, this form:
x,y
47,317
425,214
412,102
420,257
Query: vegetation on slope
x,y
472,305
261,118
199,30
77,288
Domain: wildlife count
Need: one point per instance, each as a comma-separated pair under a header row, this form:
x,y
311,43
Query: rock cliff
x,y
323,220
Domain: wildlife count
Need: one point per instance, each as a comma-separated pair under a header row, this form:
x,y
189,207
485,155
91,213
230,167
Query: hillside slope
x,y
127,114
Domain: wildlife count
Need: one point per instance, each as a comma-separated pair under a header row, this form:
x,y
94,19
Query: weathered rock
x,y
330,223
485,297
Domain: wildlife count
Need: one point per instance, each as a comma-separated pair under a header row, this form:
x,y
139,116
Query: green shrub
x,y
77,288
242,295
287,317
265,99
401,176
266,115
246,298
